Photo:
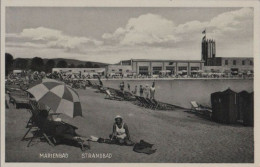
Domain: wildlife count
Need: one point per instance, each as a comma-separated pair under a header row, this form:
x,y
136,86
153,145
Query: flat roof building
x,y
154,67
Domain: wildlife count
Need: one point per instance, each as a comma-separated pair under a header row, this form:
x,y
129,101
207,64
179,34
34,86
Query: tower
x,y
208,50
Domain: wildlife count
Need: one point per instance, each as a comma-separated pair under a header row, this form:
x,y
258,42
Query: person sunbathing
x,y
120,132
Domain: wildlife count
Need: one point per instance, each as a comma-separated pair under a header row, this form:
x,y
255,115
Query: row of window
x,y
234,62
80,71
120,70
156,70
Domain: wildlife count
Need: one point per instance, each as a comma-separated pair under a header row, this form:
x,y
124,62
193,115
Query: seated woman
x,y
61,131
120,132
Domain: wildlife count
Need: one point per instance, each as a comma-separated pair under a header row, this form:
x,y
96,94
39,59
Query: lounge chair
x,y
111,96
120,93
102,89
33,126
47,132
19,99
145,103
129,96
162,106
148,102
137,101
153,104
199,109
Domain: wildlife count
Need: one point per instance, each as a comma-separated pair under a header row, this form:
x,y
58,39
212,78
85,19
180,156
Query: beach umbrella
x,y
58,96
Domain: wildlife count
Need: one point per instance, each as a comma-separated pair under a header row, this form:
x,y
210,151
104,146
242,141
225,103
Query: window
x,y
171,63
181,68
70,70
113,70
120,70
194,68
156,70
143,70
170,68
251,62
127,62
243,62
226,62
234,62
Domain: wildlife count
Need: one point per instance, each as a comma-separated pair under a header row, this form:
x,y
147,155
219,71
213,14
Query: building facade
x,y
113,70
155,67
233,64
221,64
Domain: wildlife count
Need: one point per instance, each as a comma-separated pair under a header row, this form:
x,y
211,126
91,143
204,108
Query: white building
x,y
81,71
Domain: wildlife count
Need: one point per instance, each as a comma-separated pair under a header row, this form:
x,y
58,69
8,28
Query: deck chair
x,y
153,105
196,108
146,103
129,96
120,94
33,126
88,83
111,96
159,105
39,133
138,101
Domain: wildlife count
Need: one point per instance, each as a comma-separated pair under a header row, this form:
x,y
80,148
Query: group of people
x,y
144,91
66,132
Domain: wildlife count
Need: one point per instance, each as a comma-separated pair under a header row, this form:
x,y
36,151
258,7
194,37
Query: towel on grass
x,y
144,147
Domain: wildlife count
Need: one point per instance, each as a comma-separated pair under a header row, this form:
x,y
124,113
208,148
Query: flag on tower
x,y
204,32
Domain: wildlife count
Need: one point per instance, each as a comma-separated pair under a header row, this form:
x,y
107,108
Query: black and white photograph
x,y
126,84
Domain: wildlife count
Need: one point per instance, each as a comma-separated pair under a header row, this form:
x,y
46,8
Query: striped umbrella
x,y
58,96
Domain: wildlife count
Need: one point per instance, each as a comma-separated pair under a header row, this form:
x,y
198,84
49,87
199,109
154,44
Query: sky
x,y
109,34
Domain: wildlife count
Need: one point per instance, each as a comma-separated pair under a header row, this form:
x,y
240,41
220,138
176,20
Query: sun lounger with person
x,y
53,130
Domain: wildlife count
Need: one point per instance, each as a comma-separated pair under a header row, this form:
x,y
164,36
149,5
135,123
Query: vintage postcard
x,y
165,82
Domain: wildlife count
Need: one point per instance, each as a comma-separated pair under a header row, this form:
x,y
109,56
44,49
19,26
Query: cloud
x,y
146,36
232,20
56,38
154,29
145,29
25,45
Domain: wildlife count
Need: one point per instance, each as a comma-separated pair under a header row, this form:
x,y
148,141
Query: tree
x,y
37,64
62,64
9,59
88,65
72,66
21,63
96,66
80,66
50,64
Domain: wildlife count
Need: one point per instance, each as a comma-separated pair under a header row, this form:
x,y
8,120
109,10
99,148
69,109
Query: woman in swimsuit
x,y
120,132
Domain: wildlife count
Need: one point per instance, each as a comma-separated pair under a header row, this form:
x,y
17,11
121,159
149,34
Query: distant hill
x,y
76,62
69,61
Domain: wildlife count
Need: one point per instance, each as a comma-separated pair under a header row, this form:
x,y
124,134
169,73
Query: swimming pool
x,y
181,91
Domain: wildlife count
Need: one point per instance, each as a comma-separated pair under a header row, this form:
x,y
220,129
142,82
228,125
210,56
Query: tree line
x,y
37,64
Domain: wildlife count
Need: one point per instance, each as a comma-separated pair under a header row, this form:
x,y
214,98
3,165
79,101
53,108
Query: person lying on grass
x,y
120,133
